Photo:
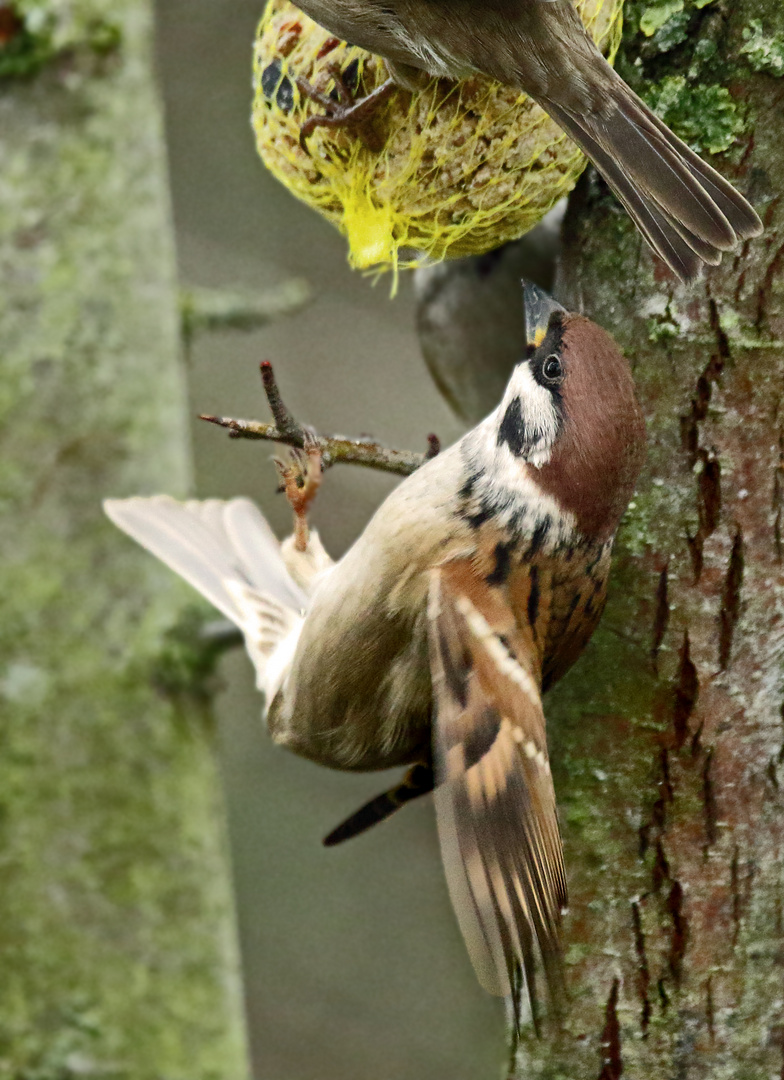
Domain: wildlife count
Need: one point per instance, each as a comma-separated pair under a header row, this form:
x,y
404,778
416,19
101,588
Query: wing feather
x,y
495,802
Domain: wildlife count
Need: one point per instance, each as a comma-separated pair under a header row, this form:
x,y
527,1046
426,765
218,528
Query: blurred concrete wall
x,y
354,966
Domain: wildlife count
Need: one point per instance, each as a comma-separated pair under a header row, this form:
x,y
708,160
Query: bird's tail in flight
x,y
228,552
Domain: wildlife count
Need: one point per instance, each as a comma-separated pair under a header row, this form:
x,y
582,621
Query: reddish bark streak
x,y
643,973
685,694
661,867
679,930
10,24
612,1063
730,601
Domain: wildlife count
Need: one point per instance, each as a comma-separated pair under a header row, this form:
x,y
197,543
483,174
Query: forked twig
x,y
334,448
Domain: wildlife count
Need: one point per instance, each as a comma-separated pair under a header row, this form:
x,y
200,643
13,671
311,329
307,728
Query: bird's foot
x,y
300,474
347,111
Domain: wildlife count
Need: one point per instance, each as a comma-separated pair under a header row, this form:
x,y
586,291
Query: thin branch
x,y
334,448
224,309
280,414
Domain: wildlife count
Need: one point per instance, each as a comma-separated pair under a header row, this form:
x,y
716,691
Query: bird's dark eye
x,y
551,369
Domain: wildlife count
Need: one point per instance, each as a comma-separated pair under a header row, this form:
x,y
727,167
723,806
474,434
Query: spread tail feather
x,y
228,552
687,212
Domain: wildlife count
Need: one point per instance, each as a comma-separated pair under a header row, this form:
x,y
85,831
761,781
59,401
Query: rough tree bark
x,y
117,943
667,738
672,790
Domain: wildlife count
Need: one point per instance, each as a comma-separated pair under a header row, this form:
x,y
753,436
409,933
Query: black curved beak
x,y
538,306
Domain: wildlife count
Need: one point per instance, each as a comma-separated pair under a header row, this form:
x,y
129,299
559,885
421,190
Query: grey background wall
x,y
353,963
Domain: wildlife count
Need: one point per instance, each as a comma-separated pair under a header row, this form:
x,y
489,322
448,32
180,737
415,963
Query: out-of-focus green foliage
x,y
33,34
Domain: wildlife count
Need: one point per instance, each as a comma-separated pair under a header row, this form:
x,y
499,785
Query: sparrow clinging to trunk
x,y
686,211
474,587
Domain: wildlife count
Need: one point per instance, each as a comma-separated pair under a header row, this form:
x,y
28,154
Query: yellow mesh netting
x,y
463,166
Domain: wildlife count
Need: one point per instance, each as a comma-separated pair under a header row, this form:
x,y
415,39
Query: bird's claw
x,y
300,474
347,112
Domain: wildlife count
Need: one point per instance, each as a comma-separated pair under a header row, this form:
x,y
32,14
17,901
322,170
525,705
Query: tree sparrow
x,y
474,587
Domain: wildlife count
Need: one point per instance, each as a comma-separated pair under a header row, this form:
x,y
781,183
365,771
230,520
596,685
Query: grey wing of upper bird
x,y
494,797
686,210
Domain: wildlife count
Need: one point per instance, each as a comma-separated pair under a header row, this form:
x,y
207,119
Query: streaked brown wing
x,y
495,803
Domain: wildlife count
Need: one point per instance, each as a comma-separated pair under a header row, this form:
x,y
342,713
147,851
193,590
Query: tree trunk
x,y
117,943
667,738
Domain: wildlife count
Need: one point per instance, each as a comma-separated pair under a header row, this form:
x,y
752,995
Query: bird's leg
x,y
347,112
407,76
417,781
300,474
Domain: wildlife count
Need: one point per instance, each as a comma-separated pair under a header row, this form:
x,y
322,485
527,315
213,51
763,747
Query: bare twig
x,y
334,448
280,414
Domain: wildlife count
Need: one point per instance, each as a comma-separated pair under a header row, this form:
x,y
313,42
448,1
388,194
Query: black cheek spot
x,y
503,564
512,429
533,597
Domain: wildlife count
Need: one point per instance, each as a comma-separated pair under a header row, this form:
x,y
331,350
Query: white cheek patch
x,y
509,485
539,418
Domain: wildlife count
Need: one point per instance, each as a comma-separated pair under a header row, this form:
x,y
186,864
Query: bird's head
x,y
571,415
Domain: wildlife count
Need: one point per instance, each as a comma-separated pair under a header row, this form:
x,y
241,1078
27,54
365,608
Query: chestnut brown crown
x,y
600,449
570,411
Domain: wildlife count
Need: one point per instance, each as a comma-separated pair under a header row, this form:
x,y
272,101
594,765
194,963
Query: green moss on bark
x,y
116,925
34,33
676,58
765,52
666,738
